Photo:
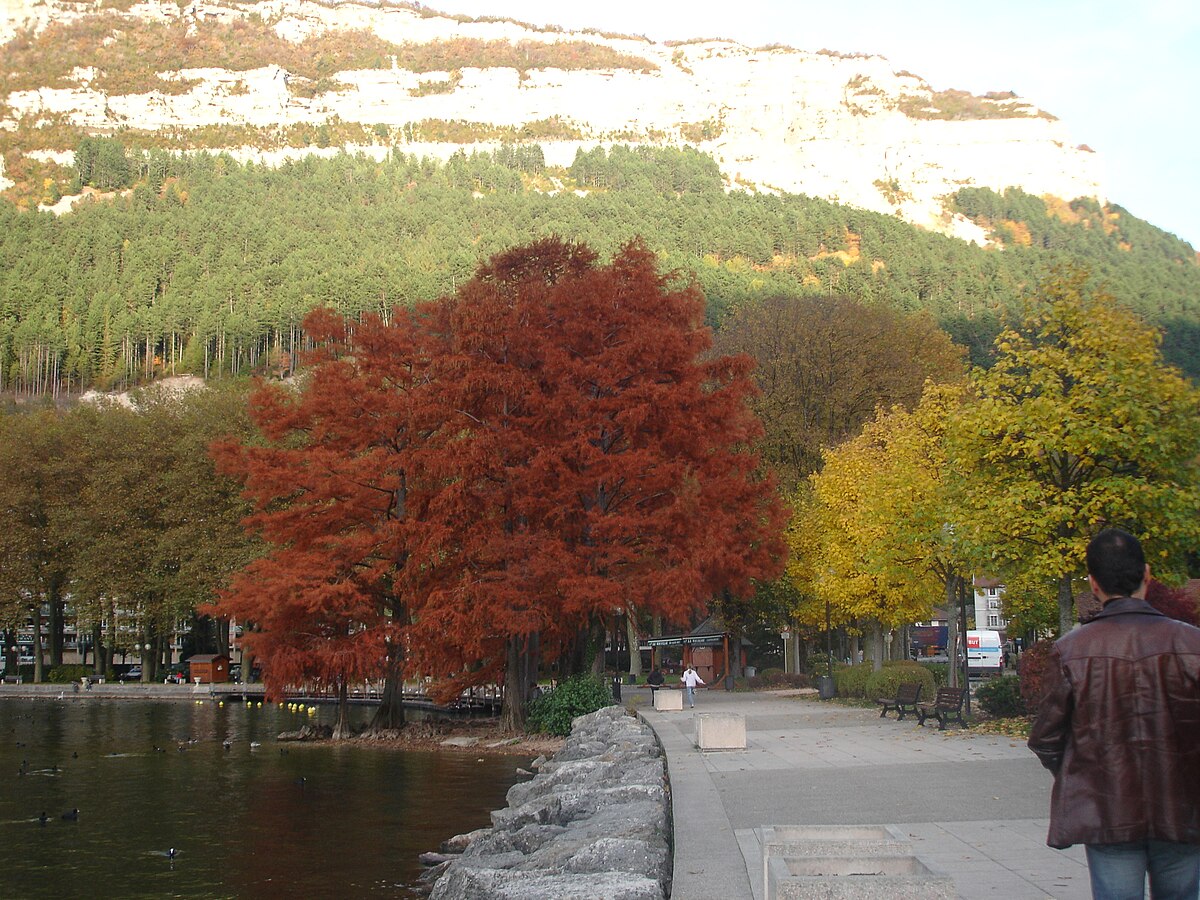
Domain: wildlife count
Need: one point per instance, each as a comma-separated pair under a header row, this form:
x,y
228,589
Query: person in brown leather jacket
x,y
1119,726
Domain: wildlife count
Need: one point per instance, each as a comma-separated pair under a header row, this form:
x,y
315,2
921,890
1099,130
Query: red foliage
x,y
1031,668
542,448
1173,602
332,497
602,463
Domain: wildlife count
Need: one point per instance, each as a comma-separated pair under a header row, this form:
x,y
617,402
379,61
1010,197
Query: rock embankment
x,y
594,822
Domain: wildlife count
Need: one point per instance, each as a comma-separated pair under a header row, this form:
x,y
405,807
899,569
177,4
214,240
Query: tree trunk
x,y
39,665
597,636
147,656
875,643
512,714
390,714
56,623
855,646
342,729
634,639
1066,605
99,654
951,599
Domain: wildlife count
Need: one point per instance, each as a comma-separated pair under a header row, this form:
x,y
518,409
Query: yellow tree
x,y
861,541
1078,425
911,501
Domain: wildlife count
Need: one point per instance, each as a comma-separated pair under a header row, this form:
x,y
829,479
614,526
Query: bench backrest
x,y
950,697
908,692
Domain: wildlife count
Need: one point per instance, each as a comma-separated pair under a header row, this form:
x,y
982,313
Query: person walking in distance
x,y
655,680
1119,726
690,679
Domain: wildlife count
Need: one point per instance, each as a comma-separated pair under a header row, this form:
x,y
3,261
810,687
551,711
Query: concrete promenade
x,y
974,806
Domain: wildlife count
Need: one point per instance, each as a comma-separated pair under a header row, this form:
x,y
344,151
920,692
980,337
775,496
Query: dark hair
x,y
1115,559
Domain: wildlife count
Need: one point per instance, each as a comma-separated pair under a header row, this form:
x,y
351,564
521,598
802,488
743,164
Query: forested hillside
x,y
208,266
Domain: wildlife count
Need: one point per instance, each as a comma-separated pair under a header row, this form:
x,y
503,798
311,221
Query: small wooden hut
x,y
209,668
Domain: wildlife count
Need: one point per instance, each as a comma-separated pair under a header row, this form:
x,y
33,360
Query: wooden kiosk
x,y
209,668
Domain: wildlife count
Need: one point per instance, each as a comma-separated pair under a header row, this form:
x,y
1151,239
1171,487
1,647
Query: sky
x,y
1123,76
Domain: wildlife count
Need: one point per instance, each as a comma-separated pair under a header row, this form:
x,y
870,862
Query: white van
x,y
985,655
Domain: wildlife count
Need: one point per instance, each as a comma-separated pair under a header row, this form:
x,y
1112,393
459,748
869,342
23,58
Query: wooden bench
x,y
907,695
946,707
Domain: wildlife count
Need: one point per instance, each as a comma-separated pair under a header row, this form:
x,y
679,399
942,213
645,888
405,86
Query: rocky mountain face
x,y
285,77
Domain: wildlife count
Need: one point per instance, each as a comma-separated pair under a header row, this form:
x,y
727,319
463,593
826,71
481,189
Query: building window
x,y
994,621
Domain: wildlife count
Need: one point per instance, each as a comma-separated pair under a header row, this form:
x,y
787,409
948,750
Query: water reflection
x,y
282,820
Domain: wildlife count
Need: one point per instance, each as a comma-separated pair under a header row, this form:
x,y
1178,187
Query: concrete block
x,y
721,731
855,841
856,878
667,700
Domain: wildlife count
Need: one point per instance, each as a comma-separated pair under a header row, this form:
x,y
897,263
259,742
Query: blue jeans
x,y
1119,870
691,694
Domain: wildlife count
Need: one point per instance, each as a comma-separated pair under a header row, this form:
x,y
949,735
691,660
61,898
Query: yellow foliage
x,y
869,537
848,256
1061,209
1018,232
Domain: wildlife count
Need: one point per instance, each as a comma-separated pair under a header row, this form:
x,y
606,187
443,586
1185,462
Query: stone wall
x,y
594,822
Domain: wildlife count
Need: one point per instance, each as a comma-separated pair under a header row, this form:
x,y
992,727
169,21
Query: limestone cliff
x,y
847,128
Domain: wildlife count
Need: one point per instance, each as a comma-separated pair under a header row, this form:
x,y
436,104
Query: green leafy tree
x,y
1078,425
825,364
37,533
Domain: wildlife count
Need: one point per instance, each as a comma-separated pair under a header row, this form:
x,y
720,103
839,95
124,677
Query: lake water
x,y
313,821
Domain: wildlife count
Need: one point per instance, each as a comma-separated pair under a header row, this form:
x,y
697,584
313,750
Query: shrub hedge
x,y
777,678
887,681
67,674
851,681
939,671
1001,697
553,713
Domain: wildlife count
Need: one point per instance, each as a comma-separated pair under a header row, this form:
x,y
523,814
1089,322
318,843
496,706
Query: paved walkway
x,y
974,806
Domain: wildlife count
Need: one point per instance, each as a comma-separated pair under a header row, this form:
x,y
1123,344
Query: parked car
x,y
133,673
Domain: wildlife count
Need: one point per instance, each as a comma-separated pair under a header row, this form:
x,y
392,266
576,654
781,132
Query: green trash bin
x,y
826,689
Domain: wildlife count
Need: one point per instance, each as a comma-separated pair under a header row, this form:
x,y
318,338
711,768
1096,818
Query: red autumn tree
x,y
498,472
335,500
598,460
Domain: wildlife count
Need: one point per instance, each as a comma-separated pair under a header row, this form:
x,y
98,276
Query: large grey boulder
x,y
594,822
500,884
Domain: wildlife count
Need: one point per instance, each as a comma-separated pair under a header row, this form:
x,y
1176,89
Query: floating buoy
x,y
221,703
